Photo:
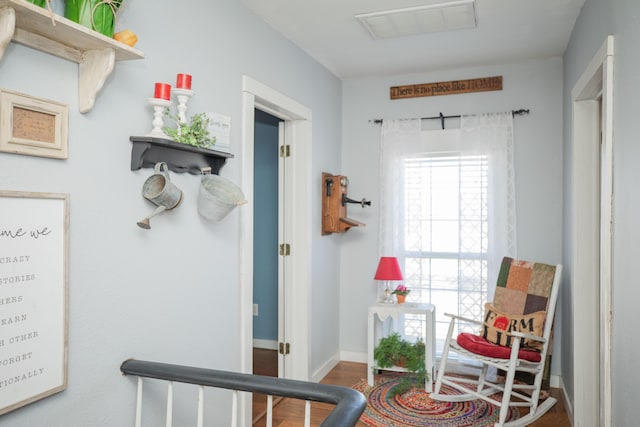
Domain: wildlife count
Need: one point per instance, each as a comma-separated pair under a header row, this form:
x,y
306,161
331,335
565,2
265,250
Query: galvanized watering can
x,y
159,190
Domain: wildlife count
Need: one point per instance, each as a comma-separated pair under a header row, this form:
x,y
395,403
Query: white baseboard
x,y
265,344
554,381
351,356
567,403
324,370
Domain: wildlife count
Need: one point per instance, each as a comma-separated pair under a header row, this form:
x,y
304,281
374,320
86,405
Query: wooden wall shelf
x,y
148,150
96,54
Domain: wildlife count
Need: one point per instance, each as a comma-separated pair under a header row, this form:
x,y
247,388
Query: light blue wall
x,y
598,19
169,294
536,85
265,228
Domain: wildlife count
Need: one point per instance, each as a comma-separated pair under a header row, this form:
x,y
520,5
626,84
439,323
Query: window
x,y
445,235
448,212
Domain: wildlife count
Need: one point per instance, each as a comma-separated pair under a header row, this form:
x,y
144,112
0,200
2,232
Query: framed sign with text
x,y
33,126
453,87
34,237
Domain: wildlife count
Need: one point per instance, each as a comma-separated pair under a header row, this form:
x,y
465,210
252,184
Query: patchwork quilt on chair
x,y
519,304
523,287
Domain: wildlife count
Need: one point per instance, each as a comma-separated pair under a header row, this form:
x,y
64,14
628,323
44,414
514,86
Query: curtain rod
x,y
441,117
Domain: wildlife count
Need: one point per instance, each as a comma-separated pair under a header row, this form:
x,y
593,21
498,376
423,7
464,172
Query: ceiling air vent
x,y
453,15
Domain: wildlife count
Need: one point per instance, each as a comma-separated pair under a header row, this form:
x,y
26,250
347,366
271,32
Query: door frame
x,y
297,222
591,238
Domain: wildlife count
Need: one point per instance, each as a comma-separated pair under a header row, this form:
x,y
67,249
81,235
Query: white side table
x,y
378,327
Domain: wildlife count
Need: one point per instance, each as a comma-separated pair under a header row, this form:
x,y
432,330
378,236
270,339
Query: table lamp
x,y
388,269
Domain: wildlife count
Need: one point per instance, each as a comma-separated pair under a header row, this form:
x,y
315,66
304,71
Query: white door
x,y
284,249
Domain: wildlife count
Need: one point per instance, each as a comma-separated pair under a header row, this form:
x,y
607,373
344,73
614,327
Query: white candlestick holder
x,y
183,99
159,107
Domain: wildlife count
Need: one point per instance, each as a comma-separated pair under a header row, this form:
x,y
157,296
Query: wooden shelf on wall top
x,y
36,27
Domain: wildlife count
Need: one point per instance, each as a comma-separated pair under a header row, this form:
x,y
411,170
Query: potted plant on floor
x,y
393,350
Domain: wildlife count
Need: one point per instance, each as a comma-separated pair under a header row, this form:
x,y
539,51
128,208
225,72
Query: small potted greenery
x,y
41,3
401,292
99,15
195,133
393,350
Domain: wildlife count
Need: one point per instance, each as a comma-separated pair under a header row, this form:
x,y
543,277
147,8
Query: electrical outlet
x,y
255,309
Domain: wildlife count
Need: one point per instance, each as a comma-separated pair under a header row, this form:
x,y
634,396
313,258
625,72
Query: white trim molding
x,y
591,238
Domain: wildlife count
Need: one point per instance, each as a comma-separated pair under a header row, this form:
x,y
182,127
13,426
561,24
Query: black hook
x,y
442,120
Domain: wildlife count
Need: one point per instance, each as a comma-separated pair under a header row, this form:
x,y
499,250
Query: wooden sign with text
x,y
34,322
453,87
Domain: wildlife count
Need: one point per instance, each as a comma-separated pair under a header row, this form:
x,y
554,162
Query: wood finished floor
x,y
265,362
290,412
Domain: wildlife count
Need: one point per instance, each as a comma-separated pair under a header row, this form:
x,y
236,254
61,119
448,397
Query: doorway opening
x,y
295,211
266,283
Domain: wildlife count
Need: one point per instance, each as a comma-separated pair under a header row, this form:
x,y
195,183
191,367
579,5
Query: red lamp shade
x,y
388,269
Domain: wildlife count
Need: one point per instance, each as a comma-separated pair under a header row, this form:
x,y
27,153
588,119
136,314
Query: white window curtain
x,y
447,210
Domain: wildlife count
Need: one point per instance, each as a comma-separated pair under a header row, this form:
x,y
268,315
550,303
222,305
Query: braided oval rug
x,y
416,408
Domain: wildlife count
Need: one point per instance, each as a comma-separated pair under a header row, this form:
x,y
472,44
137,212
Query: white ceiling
x,y
507,31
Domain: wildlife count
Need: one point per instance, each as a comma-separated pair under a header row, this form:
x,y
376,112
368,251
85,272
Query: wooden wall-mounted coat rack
x,y
334,204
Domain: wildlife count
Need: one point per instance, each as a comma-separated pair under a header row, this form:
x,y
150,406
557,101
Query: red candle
x,y
184,81
163,91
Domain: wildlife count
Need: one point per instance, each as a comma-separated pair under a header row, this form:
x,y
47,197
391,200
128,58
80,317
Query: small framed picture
x,y
33,126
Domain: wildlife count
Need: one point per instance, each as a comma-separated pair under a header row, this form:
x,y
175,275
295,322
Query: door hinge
x,y
285,151
285,249
283,348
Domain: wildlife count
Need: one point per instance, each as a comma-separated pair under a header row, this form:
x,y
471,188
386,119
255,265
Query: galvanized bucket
x,y
217,197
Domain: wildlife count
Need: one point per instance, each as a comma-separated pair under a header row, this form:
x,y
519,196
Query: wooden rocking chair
x,y
514,337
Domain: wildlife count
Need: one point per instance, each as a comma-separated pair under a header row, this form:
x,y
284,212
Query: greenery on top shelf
x,y
194,133
393,350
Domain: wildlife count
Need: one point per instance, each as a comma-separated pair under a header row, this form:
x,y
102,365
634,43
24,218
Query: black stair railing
x,y
349,403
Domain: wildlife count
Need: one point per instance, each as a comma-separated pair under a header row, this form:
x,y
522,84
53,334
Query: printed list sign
x,y
446,88
33,297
